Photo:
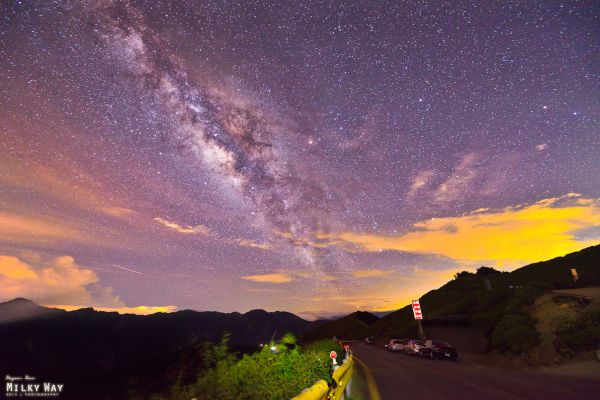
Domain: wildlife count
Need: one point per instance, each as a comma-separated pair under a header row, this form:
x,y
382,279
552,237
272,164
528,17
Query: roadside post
x,y
418,314
333,356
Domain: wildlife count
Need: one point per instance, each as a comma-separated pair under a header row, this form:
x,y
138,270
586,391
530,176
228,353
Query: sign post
x,y
333,356
418,314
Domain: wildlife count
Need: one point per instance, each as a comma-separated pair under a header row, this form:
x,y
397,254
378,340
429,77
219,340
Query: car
x,y
394,345
441,349
416,347
370,340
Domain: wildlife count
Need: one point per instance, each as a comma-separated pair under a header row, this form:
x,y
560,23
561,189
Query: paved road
x,y
399,376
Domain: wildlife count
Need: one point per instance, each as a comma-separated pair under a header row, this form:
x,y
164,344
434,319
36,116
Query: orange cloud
x,y
140,310
252,243
61,283
57,279
197,229
284,276
511,237
276,277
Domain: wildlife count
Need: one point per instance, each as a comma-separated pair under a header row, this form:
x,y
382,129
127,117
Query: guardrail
x,y
322,391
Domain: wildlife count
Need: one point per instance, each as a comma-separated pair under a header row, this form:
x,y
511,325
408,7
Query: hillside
x,y
88,347
498,314
356,321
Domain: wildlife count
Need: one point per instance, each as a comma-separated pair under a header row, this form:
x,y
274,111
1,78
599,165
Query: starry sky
x,y
315,157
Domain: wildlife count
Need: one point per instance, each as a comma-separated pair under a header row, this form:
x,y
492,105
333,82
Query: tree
x,y
462,274
483,270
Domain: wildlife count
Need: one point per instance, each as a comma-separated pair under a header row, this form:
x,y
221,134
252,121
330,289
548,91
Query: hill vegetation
x,y
502,314
357,321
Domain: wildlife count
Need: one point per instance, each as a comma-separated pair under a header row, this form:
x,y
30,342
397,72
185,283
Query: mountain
x,y
466,304
87,347
23,309
354,322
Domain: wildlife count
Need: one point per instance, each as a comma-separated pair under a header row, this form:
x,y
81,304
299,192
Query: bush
x,y
523,297
581,333
515,333
266,374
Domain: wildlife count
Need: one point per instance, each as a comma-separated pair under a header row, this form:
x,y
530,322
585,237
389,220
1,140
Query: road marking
x,y
373,391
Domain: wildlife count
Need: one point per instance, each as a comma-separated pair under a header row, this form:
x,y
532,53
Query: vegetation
x,y
579,333
515,333
504,313
279,371
340,327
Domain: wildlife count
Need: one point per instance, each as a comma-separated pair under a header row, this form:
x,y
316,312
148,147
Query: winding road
x,y
398,376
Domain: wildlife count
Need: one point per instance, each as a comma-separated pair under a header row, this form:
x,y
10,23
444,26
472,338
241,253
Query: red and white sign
x,y
416,306
333,355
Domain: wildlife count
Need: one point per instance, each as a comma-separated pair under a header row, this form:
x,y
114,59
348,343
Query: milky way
x,y
234,139
316,157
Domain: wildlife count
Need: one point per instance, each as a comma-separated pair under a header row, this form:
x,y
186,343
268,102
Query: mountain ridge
x,y
466,301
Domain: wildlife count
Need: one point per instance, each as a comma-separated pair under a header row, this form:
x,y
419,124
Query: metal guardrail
x,y
322,391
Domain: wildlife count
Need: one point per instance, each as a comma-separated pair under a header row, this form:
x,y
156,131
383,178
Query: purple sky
x,y
290,155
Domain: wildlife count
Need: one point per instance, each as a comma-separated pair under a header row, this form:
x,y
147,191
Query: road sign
x,y
416,306
574,273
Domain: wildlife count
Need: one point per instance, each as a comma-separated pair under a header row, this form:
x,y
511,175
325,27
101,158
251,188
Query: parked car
x,y
370,340
394,345
441,349
416,348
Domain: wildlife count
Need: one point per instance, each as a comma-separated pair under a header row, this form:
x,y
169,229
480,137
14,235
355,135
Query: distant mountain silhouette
x,y
357,321
87,347
23,309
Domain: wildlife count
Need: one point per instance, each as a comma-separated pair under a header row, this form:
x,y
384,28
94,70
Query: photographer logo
x,y
29,386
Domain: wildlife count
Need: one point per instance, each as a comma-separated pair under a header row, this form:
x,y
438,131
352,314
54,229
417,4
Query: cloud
x,y
253,244
284,276
60,282
419,182
197,229
369,273
276,277
120,212
458,184
59,279
510,237
541,146
140,310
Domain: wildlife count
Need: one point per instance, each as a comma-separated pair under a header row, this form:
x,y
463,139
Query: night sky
x,y
315,157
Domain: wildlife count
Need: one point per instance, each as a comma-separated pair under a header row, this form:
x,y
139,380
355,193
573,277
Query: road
x,y
400,376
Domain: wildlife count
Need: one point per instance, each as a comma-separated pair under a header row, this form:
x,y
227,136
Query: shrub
x,y
523,297
515,333
266,374
581,333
